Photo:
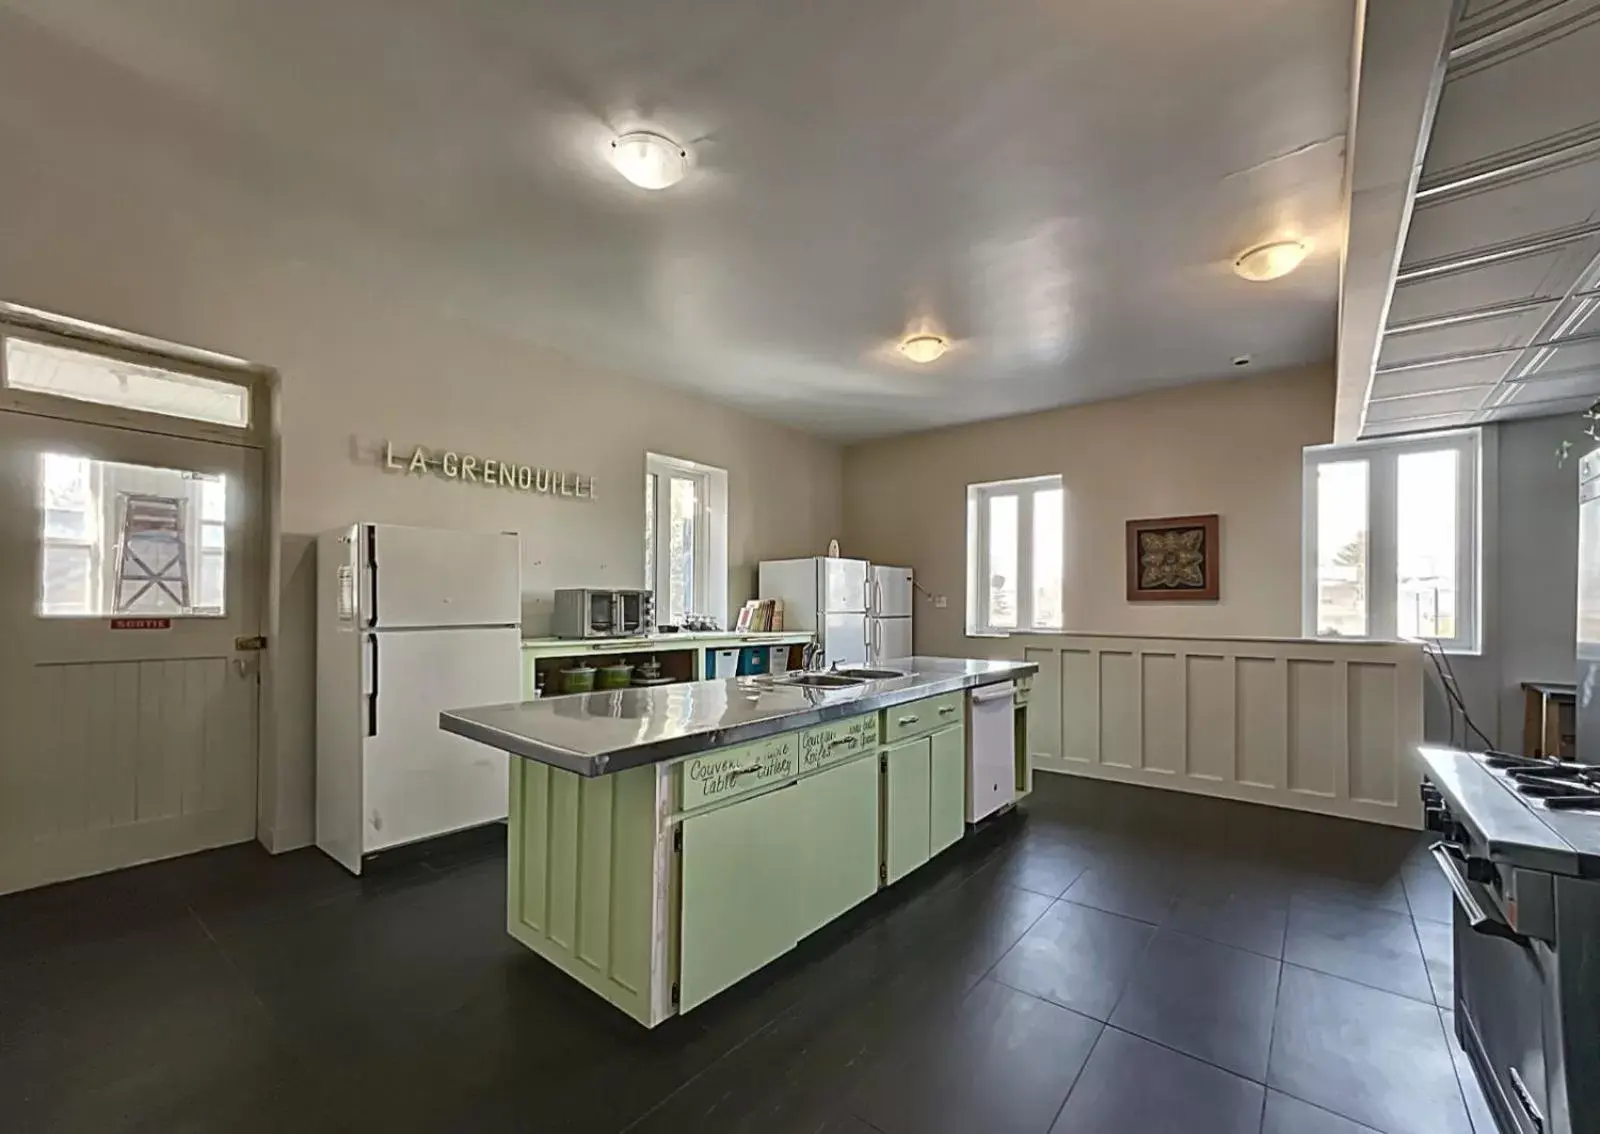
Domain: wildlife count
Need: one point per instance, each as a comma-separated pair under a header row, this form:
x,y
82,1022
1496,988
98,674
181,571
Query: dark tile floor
x,y
1114,960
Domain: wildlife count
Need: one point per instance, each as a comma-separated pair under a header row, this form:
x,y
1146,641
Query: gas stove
x,y
1520,849
1551,785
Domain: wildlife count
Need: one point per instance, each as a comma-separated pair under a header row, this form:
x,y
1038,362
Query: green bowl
x,y
579,679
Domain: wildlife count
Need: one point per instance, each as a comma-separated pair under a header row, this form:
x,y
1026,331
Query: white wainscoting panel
x,y
1330,727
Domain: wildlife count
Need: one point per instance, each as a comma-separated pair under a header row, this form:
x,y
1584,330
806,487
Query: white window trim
x,y
711,534
978,498
1382,533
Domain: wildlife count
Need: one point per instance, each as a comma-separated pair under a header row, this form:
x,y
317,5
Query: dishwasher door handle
x,y
1471,896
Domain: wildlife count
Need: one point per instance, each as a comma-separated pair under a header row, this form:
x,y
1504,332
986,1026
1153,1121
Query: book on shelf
x,y
759,616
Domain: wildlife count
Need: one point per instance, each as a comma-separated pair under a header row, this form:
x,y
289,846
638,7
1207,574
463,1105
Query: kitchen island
x,y
666,842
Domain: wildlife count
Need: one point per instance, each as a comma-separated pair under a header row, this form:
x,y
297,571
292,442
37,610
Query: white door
x,y
432,577
891,638
891,592
843,584
420,780
130,568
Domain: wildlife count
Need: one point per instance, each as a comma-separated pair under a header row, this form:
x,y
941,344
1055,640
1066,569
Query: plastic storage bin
x,y
722,663
753,660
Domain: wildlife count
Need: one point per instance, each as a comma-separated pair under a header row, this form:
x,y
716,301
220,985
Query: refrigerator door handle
x,y
372,689
372,576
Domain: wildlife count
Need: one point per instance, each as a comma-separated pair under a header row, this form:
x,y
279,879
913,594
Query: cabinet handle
x,y
744,771
909,720
947,710
838,740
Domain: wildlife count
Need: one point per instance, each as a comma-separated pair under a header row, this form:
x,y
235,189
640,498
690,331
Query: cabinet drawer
x,y
837,740
728,773
917,717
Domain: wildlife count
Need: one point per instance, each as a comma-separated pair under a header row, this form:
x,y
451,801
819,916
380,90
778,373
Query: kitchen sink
x,y
870,674
821,680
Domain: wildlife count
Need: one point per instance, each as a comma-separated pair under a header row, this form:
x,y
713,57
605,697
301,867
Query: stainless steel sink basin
x,y
821,680
870,674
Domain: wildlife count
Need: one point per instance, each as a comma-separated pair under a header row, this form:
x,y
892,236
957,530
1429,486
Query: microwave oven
x,y
588,612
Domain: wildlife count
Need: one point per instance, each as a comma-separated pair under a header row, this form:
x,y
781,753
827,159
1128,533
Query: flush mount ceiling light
x,y
923,348
1270,261
649,160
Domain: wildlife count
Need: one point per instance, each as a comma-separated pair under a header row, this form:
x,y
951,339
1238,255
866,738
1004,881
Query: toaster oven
x,y
589,612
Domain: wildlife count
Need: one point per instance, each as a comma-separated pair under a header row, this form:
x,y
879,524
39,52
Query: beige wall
x,y
1233,448
362,361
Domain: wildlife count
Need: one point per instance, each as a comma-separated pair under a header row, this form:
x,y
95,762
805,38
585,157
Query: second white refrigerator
x,y
889,613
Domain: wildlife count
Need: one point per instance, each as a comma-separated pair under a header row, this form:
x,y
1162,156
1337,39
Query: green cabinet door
x,y
907,795
947,809
836,852
737,893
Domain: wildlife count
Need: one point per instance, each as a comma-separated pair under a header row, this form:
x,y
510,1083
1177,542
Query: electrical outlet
x,y
940,601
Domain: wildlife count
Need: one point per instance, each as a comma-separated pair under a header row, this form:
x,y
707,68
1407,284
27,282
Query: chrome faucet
x,y
811,657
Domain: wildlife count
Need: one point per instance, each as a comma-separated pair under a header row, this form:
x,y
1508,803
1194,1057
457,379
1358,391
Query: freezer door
x,y
891,638
420,781
891,592
842,584
844,639
429,577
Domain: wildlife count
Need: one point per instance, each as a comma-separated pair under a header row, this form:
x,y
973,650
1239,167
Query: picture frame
x,y
1175,559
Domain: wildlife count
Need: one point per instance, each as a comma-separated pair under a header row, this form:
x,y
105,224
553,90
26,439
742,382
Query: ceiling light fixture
x,y
1270,261
923,348
649,160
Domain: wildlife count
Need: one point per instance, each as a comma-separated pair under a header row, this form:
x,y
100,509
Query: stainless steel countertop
x,y
1562,842
616,729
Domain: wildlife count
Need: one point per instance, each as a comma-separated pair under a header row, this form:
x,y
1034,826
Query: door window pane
x,y
64,580
682,493
1342,549
132,541
1048,550
1002,561
106,381
1425,544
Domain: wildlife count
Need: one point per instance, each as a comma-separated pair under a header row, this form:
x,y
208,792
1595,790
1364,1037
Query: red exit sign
x,y
141,624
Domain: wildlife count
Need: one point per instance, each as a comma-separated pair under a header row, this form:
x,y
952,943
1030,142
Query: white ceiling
x,y
1060,187
1495,308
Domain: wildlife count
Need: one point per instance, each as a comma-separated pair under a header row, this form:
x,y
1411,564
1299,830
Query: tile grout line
x,y
1272,1030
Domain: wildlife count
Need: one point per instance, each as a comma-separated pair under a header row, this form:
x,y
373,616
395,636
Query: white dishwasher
x,y
991,751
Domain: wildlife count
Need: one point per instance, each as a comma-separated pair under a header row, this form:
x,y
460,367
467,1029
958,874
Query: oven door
x,y
601,620
630,612
1503,994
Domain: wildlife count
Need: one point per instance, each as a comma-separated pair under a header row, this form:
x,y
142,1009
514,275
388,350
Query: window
x,y
1391,540
685,538
129,539
108,381
1015,555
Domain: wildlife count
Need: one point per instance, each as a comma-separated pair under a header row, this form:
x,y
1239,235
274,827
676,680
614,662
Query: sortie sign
x,y
487,471
141,624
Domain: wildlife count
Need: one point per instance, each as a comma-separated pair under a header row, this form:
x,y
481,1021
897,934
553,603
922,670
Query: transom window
x,y
42,369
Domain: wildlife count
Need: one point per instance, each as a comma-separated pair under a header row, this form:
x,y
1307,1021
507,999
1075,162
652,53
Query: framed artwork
x,y
1176,559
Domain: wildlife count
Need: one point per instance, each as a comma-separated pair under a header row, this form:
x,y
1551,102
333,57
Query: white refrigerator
x,y
889,614
410,621
825,596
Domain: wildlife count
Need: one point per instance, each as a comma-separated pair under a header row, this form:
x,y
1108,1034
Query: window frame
x,y
1382,568
709,579
979,496
26,325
